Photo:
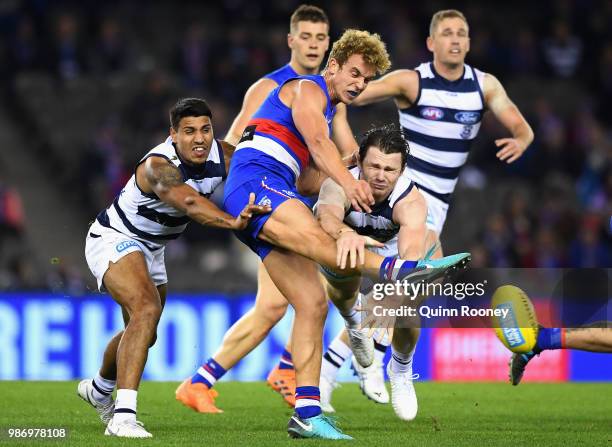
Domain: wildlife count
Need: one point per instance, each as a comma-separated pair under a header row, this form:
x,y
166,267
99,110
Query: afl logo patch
x,y
467,117
432,113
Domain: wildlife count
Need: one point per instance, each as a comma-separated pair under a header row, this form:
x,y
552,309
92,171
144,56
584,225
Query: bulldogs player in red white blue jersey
x,y
125,250
440,107
292,125
308,39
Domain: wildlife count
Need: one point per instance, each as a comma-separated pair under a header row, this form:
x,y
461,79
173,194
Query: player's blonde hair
x,y
370,46
445,14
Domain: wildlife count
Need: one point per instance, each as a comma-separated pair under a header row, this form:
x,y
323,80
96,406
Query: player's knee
x,y
314,310
274,314
148,310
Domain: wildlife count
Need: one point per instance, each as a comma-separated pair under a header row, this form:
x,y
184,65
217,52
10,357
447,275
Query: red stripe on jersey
x,y
285,135
308,397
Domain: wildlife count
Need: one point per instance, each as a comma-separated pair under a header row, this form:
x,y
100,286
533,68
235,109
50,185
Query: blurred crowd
x,y
550,209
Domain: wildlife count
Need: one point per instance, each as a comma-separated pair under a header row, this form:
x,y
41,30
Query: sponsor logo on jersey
x,y
432,113
467,117
287,192
124,245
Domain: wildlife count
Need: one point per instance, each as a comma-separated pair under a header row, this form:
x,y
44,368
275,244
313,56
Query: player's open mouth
x,y
352,94
455,51
312,56
199,150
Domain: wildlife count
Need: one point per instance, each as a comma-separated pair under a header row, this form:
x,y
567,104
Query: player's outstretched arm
x,y
157,175
497,100
402,84
330,211
307,110
411,215
253,98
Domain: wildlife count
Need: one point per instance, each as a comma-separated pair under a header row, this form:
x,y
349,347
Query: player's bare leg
x,y
130,285
594,338
98,390
297,279
244,336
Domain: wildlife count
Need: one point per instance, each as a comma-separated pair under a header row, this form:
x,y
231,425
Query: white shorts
x,y
436,212
104,245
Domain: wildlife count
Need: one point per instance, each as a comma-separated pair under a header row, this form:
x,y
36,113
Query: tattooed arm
x,y
157,175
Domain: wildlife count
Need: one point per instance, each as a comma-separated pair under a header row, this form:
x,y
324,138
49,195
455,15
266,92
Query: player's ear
x,y
430,43
290,40
173,134
332,66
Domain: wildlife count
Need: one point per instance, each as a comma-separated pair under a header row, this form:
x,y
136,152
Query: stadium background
x,y
85,91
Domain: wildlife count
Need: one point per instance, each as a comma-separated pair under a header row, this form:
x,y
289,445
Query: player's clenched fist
x,y
359,194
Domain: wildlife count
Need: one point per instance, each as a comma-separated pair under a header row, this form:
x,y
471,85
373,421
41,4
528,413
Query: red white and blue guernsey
x,y
281,75
268,160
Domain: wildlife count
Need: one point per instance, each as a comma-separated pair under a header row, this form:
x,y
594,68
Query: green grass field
x,y
449,415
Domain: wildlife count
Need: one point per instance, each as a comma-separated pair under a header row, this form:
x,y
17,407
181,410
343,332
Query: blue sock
x,y
394,269
208,373
307,401
286,362
550,338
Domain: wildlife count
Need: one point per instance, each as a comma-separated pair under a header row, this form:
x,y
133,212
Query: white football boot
x,y
362,345
372,381
105,409
403,396
127,429
326,389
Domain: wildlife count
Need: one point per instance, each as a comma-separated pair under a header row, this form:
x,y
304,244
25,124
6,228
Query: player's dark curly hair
x,y
188,107
388,139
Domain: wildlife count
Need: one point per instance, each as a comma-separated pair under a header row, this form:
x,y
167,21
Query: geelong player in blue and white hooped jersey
x,y
396,226
125,250
440,105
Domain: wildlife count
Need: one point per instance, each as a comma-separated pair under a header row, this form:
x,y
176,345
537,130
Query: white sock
x,y
379,354
125,405
336,354
401,363
352,318
102,388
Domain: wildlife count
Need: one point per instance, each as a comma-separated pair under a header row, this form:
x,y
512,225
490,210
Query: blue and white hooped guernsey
x,y
379,223
441,126
144,216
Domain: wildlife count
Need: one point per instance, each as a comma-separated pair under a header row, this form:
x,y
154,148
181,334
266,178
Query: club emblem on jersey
x,y
432,113
467,117
466,133
264,201
124,245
